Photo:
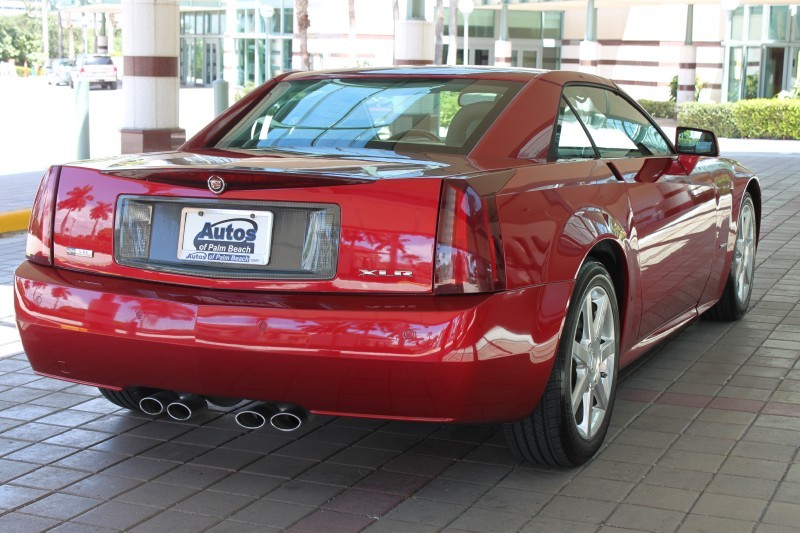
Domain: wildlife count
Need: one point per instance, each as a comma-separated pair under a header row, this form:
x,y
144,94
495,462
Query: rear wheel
x,y
739,287
113,86
128,398
570,422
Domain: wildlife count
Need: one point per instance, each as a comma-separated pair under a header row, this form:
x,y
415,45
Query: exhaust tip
x,y
186,406
289,419
157,403
257,416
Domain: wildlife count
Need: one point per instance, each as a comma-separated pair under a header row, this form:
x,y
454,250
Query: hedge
x,y
659,109
750,119
718,118
768,119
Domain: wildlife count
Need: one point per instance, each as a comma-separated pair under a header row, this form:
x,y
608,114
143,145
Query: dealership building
x,y
719,50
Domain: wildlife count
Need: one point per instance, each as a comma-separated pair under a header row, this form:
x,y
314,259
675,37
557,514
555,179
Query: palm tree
x,y
99,212
76,200
439,32
301,8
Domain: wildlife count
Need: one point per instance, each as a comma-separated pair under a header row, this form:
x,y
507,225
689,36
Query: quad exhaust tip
x,y
157,403
281,417
289,419
256,417
186,406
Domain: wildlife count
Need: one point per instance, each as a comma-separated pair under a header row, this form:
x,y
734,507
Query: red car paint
x,y
385,343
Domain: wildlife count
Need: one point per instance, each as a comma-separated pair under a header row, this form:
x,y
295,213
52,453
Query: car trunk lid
x,y
331,225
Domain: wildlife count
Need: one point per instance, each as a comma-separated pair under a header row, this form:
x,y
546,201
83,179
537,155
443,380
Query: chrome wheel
x,y
744,253
593,360
571,420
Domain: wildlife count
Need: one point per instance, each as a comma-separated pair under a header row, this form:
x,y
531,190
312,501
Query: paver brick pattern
x,y
704,437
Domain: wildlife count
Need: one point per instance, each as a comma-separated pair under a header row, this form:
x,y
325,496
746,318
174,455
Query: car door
x,y
673,211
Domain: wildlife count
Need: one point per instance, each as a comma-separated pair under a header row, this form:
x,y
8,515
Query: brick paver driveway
x,y
704,436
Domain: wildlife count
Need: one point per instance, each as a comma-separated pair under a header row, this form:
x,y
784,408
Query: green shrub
x,y
768,119
241,92
23,72
659,109
749,119
718,118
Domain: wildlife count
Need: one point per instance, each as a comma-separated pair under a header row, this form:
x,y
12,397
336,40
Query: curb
x,y
11,221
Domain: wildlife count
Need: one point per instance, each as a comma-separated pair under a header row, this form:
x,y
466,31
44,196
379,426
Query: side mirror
x,y
693,141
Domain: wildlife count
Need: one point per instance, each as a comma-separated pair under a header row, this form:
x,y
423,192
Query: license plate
x,y
230,236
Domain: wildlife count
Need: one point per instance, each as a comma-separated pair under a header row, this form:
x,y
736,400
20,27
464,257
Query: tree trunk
x,y
439,32
452,30
301,8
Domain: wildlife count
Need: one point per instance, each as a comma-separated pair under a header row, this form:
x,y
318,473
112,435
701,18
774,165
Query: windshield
x,y
447,115
98,60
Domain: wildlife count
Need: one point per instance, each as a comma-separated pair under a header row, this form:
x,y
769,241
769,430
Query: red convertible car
x,y
428,244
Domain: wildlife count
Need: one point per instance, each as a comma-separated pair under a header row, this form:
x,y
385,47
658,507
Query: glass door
x,y
526,58
211,68
774,70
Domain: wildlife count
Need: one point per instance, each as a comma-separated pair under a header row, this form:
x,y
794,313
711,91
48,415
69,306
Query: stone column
x,y
230,62
687,73
502,46
687,66
589,52
150,49
414,42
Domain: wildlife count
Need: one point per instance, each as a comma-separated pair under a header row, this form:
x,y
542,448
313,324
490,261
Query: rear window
x,y
98,60
445,115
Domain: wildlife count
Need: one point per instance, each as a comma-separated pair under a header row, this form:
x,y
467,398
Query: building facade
x,y
717,50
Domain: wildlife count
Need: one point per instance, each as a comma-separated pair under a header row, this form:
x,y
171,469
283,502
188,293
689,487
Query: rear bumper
x,y
455,358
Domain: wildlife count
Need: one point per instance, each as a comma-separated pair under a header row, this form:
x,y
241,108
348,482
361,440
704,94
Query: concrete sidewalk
x,y
704,437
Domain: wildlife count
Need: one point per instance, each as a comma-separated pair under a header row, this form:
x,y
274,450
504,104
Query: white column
x,y
413,42
150,48
502,53
687,73
588,56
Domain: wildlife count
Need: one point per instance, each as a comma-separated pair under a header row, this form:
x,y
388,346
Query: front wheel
x,y
570,422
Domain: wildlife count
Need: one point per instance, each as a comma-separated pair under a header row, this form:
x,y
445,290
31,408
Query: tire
x,y
128,398
560,431
113,86
735,298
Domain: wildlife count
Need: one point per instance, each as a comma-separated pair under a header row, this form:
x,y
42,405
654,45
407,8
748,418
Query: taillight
x,y
115,70
469,252
82,71
39,247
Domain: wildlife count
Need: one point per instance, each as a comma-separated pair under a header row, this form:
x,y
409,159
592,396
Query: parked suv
x,y
95,68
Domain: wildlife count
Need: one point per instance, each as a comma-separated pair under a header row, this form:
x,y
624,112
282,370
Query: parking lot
x,y
704,437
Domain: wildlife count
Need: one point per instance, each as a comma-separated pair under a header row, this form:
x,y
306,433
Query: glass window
x,y
796,25
735,68
288,21
778,22
737,24
617,128
443,115
481,23
756,23
188,23
753,70
552,24
571,141
551,58
524,24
